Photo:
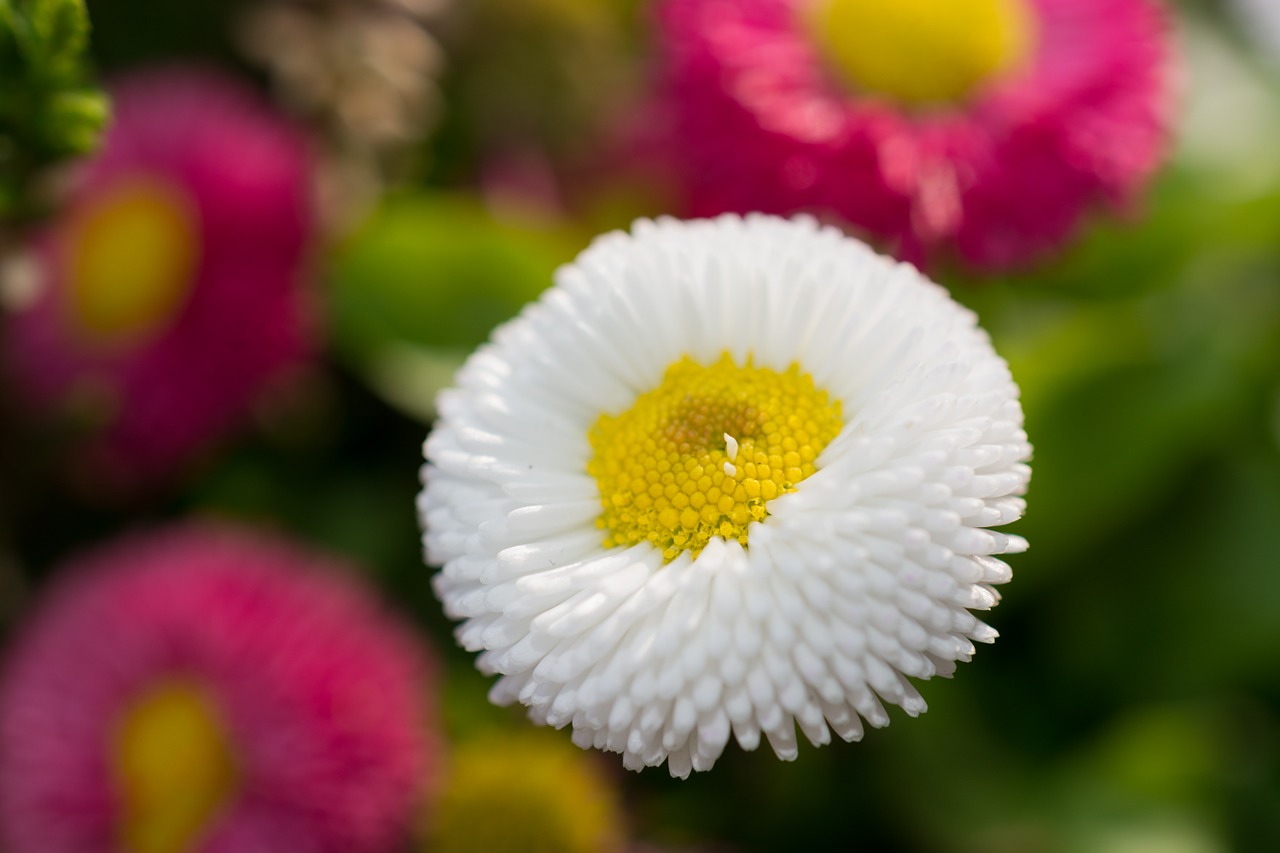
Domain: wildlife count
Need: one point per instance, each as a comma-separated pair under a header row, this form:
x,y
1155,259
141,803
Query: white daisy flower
x,y
725,477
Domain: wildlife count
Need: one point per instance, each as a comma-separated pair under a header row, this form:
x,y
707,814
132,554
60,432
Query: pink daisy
x,y
211,691
977,128
168,287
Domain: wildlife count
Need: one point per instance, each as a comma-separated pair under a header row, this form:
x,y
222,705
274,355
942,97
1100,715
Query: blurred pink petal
x,y
190,375
753,121
323,696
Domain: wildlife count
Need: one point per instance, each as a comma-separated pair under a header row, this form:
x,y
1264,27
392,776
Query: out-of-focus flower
x,y
522,793
167,294
208,689
978,128
726,475
364,72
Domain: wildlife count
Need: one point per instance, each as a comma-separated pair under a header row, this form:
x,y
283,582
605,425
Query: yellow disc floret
x,y
702,454
173,769
921,51
130,256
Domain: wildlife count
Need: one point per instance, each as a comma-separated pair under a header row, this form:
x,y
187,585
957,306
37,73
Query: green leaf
x,y
47,109
424,282
73,120
60,31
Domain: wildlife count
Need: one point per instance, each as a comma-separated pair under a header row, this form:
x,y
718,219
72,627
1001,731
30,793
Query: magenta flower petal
x,y
239,176
323,697
755,121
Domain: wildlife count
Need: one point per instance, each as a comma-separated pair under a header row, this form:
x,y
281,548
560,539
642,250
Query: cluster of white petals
x,y
865,574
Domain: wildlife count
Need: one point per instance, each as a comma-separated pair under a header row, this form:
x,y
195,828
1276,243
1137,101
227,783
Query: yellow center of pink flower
x,y
921,51
702,454
173,768
131,256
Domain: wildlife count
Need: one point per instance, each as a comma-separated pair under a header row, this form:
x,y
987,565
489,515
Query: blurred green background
x,y
1133,700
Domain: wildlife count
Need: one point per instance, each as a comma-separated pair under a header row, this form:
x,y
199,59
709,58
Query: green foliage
x,y
48,108
424,282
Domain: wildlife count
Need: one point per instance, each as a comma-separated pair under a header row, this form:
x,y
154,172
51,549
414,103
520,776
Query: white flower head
x,y
726,476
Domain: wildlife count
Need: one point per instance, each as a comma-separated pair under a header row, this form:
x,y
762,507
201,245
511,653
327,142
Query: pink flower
x,y
210,690
759,116
168,292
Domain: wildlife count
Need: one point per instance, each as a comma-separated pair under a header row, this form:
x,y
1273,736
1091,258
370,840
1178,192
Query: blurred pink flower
x,y
165,650
756,117
168,290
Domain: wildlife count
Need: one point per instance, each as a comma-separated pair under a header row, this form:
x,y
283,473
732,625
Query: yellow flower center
x,y
173,768
921,51
702,454
130,260
531,793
